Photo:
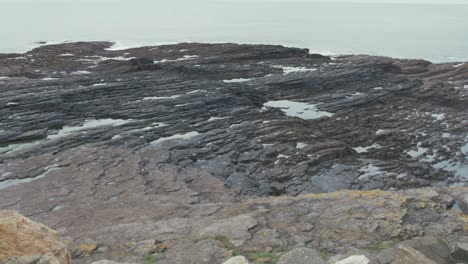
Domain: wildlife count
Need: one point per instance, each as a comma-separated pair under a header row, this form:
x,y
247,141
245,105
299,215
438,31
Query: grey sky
x,y
334,1
372,1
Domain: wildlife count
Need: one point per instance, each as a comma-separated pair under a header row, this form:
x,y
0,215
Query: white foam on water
x,y
185,57
369,171
98,59
216,118
438,116
188,57
89,124
366,149
99,84
290,69
80,73
67,55
49,79
417,153
161,97
123,45
116,137
377,88
13,182
381,132
196,91
153,126
458,65
301,145
12,103
16,147
355,95
297,109
6,174
185,136
331,53
238,80
119,58
458,168
4,78
464,148
280,157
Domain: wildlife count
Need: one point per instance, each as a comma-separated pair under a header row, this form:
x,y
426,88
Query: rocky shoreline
x,y
196,153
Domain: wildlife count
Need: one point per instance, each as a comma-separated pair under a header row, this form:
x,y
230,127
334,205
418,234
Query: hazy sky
x,y
387,1
428,29
372,1
343,1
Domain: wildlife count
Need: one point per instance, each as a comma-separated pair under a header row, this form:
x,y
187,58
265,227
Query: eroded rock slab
x,y
185,145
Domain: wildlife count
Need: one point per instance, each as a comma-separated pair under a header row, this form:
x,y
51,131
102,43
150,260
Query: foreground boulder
x,y
24,241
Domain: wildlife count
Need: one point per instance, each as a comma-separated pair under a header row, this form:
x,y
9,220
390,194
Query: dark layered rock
x,y
178,144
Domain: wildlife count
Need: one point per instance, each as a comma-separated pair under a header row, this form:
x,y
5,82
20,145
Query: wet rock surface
x,y
153,151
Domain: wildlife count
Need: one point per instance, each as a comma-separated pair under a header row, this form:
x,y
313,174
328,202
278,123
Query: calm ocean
x,y
438,33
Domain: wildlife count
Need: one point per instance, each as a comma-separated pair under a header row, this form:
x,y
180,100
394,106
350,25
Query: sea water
x,y
435,32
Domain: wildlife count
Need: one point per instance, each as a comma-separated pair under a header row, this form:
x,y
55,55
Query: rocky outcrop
x,y
196,153
23,241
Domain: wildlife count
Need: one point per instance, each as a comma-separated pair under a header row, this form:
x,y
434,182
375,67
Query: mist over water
x,y
438,33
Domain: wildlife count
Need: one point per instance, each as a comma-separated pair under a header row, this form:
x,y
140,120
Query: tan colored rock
x,y
26,241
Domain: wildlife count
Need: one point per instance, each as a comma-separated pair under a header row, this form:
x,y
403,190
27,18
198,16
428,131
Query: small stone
x,y
145,247
356,259
421,205
84,250
352,252
301,256
49,258
161,247
237,260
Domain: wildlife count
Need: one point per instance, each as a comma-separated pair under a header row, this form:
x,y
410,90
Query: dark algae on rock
x,y
195,153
